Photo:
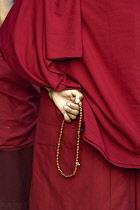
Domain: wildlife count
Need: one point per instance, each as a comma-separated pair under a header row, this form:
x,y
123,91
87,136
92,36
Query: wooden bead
x,y
77,148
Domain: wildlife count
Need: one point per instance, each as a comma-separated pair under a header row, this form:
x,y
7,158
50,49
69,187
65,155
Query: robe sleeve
x,y
37,35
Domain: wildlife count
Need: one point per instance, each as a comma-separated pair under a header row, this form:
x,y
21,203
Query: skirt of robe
x,y
15,179
97,185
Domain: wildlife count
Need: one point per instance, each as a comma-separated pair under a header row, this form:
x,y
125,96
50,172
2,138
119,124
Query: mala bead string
x,y
77,148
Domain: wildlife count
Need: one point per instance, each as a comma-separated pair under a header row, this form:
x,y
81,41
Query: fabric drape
x,y
19,107
92,45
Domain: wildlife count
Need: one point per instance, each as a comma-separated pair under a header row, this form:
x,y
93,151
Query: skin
x,y
67,101
5,6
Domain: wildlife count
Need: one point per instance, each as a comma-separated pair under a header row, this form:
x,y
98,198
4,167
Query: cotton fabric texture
x,y
19,108
97,183
100,42
18,112
92,46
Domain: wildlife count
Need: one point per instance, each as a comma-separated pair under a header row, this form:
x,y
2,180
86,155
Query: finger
x,y
73,106
71,111
78,100
66,116
78,96
72,117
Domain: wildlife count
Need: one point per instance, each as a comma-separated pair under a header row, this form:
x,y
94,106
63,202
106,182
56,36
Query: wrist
x,y
50,91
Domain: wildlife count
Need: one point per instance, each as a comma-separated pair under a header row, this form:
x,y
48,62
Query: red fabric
x,y
15,178
108,70
18,107
97,184
34,38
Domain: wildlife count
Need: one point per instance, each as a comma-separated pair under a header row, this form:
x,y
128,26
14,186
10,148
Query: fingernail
x,y
77,101
68,104
66,107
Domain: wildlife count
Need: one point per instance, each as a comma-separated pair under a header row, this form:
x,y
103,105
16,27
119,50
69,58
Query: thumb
x,y
78,96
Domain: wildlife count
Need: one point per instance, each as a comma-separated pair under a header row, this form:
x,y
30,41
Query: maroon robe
x,y
18,113
106,37
92,45
97,184
18,104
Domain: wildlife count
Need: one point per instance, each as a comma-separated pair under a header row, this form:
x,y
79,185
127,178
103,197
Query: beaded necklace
x,y
77,148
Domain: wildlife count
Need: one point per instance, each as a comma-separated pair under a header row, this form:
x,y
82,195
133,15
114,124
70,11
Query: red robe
x,y
105,37
94,46
18,112
97,184
18,104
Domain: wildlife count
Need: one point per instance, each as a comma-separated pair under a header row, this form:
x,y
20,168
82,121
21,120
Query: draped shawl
x,y
89,45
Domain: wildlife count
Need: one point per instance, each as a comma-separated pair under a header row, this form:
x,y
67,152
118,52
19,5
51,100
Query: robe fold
x,y
97,184
89,45
18,112
19,107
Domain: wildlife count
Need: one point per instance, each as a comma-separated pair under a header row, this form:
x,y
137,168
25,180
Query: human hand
x,y
68,102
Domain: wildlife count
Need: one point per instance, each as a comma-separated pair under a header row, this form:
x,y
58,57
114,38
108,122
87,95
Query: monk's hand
x,y
68,102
